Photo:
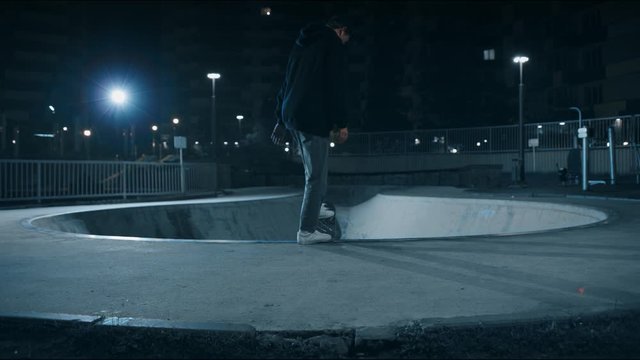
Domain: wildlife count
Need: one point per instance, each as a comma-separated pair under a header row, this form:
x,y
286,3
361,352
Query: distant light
x,y
332,144
118,96
286,149
86,133
239,117
539,126
486,141
213,76
562,123
416,141
197,143
520,59
478,144
265,11
176,121
454,151
626,143
13,141
154,128
236,143
225,143
53,110
618,122
286,143
607,144
45,135
64,128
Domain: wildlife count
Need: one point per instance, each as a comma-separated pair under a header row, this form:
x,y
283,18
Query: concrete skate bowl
x,y
381,217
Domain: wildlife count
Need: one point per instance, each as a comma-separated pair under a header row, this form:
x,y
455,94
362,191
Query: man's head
x,y
339,25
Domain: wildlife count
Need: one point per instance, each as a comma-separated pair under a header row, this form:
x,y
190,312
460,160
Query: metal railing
x,y
50,179
494,139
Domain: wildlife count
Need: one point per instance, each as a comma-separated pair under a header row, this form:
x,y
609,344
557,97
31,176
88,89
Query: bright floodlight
x,y
176,121
154,128
118,96
53,110
239,117
87,133
64,128
520,59
213,76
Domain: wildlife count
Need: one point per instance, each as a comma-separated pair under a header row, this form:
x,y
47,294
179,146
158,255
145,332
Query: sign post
x,y
582,134
180,142
533,143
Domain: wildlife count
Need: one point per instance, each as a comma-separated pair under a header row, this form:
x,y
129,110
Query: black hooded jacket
x,y
312,98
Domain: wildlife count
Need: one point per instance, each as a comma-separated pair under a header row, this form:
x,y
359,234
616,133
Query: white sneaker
x,y
325,212
308,238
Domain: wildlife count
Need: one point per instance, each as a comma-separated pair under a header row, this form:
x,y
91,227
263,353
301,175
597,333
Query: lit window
x,y
265,11
489,54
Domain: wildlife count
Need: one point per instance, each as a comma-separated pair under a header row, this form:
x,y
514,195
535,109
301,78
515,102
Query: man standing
x,y
311,104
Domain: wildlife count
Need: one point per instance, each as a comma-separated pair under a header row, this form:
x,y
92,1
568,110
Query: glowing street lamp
x,y
154,129
213,77
87,144
240,118
175,121
521,60
118,96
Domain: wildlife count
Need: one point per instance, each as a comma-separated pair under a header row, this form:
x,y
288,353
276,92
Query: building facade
x,y
413,65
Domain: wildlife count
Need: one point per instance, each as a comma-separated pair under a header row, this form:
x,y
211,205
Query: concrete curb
x,y
38,335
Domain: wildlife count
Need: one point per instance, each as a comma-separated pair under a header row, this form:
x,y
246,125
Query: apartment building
x,y
37,76
413,65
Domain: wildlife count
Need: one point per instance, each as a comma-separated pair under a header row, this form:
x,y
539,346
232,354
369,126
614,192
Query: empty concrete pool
x,y
376,216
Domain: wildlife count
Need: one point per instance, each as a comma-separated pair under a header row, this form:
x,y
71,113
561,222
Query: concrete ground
x,y
368,286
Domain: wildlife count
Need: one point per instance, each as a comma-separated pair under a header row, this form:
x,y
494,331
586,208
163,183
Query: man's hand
x,y
280,135
340,136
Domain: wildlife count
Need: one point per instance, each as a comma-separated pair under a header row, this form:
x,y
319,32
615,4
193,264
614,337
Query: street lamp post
x,y
154,142
119,98
213,77
175,122
240,118
63,133
521,60
87,142
56,131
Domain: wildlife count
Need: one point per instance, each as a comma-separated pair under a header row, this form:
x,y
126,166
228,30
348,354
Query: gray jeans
x,y
314,151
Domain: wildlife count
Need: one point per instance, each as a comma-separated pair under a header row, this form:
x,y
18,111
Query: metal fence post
x,y
39,182
124,180
612,156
